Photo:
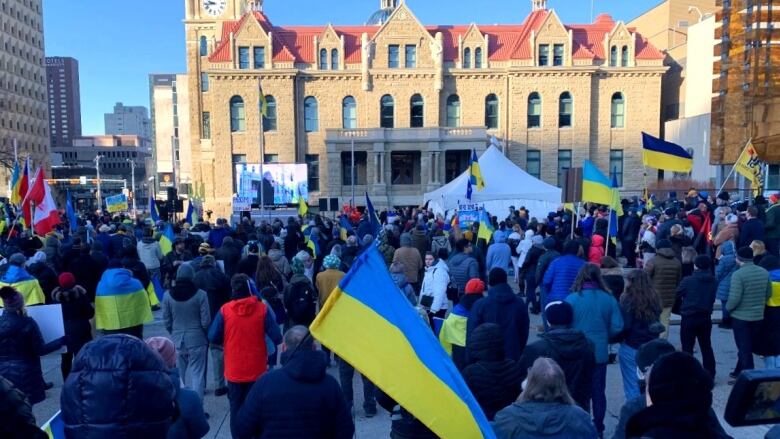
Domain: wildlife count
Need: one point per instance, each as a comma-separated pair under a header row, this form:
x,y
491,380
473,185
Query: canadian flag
x,y
35,195
46,214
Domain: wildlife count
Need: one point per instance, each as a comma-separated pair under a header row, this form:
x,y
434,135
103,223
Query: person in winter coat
x,y
750,289
329,279
544,409
118,388
170,262
410,257
121,303
191,421
529,273
513,240
209,278
17,420
462,266
629,233
419,238
400,280
280,261
503,307
77,310
769,347
300,390
440,241
300,297
241,327
680,391
86,269
697,293
150,253
597,314
230,254
498,254
772,225
433,294
523,248
560,276
569,347
612,274
186,317
18,278
726,266
752,229
248,263
21,346
41,270
545,259
493,379
665,271
729,232
596,250
453,330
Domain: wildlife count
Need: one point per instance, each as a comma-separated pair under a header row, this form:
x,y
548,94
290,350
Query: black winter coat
x,y
300,400
16,416
118,389
216,285
674,421
21,346
76,312
47,278
697,292
503,307
87,272
751,230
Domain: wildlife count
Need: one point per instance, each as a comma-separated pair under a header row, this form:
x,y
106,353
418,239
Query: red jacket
x,y
246,355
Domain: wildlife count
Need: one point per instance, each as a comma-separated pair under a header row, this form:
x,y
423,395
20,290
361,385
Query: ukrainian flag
x,y
475,174
453,330
485,226
121,301
660,154
15,180
153,210
346,227
166,240
55,427
367,323
596,187
28,286
373,218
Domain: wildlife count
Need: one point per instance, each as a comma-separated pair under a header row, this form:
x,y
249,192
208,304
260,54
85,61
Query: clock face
x,y
215,8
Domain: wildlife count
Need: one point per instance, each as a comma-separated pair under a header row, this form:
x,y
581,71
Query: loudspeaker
x,y
334,204
179,205
172,193
323,204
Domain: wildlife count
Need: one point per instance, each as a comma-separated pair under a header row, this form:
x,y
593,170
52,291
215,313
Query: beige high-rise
x,y
414,99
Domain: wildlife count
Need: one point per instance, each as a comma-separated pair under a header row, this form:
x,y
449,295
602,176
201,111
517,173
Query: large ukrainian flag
x,y
368,323
121,301
660,154
28,286
596,187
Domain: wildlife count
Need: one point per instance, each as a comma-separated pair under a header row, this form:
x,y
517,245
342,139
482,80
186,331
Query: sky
x,y
119,43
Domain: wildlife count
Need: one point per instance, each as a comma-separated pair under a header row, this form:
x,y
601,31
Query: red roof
x,y
296,43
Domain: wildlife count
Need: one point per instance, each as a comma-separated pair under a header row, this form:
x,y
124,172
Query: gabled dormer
x,y
552,43
329,50
252,44
620,46
403,42
473,49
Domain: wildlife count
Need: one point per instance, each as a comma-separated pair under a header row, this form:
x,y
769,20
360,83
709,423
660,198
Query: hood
x,y
183,290
304,365
499,238
118,280
727,248
502,293
545,418
16,274
597,240
567,343
666,253
458,258
245,306
399,279
69,295
486,343
468,300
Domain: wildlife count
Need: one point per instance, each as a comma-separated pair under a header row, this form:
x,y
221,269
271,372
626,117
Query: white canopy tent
x,y
505,185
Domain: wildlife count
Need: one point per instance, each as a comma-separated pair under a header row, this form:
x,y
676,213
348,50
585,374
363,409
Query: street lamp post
x,y
132,182
99,193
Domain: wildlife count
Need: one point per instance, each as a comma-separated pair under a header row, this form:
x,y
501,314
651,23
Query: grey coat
x,y
187,320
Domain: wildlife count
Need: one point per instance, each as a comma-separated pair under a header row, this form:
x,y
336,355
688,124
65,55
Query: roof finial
x,y
538,5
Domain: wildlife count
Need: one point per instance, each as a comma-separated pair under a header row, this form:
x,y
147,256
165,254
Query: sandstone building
x,y
413,99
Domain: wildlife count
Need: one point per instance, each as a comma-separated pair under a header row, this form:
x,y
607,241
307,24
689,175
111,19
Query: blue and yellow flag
x,y
485,226
72,221
668,156
166,240
346,228
373,218
475,174
155,290
596,187
153,210
55,427
27,285
366,322
121,301
616,210
15,178
191,217
303,208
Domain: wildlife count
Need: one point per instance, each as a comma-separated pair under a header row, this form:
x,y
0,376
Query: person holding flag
x,y
121,303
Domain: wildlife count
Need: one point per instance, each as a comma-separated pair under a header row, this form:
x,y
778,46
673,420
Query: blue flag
x,y
153,210
190,210
159,291
376,226
71,213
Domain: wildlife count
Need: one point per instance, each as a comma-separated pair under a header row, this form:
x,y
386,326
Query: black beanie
x,y
679,378
745,254
496,276
648,353
559,313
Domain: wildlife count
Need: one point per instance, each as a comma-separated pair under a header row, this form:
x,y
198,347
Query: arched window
x,y
334,59
565,105
618,119
269,120
467,58
323,59
478,58
204,46
613,56
534,110
453,111
387,112
624,56
310,115
416,111
349,113
237,115
491,111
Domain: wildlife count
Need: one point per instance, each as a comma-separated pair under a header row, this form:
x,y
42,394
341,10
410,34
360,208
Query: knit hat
x,y
164,347
17,259
678,377
12,300
66,280
331,262
745,254
296,265
475,286
651,351
185,272
724,196
496,276
559,313
774,198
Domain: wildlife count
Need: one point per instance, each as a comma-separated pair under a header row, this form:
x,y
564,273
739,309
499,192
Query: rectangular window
x,y
405,167
411,56
392,56
271,158
360,173
558,54
533,162
204,82
243,57
455,163
564,163
616,165
773,177
259,57
313,171
544,54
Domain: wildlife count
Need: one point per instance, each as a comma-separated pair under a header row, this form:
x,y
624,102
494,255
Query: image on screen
x,y
282,183
765,405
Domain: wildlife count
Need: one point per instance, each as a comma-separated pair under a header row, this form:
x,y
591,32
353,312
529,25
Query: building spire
x,y
254,5
538,5
388,4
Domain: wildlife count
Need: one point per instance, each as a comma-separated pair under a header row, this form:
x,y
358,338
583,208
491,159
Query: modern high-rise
x,y
128,120
168,98
62,77
23,113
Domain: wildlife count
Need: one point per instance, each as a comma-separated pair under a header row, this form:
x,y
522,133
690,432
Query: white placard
x,y
49,320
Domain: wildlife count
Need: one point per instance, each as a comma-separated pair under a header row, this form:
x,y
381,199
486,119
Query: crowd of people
x,y
238,299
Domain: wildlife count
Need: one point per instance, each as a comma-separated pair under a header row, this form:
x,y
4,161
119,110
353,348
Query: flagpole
x,y
609,225
16,151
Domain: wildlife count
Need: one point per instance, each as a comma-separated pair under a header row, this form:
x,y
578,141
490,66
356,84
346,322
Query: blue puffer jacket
x,y
727,265
118,389
597,314
560,276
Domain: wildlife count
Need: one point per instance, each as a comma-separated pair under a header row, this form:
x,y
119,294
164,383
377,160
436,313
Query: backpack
x,y
301,302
